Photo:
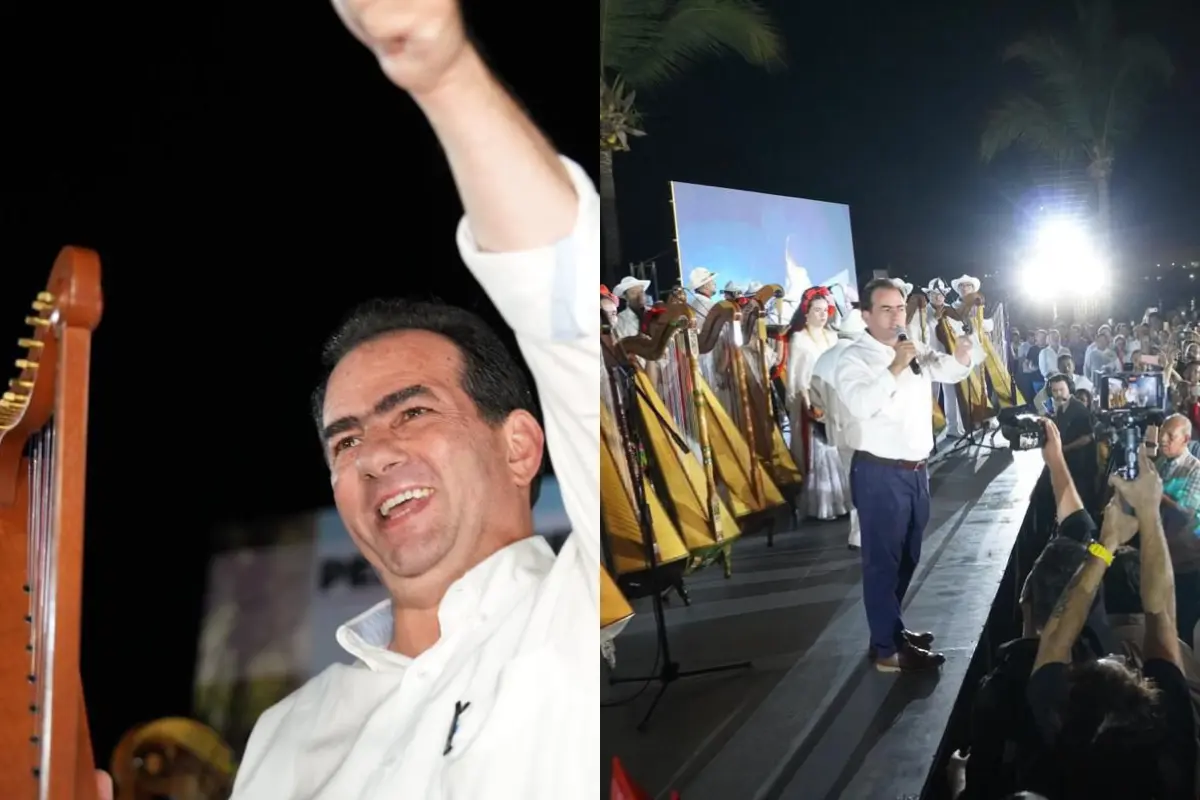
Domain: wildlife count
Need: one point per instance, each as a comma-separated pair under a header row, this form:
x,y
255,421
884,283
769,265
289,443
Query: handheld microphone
x,y
913,365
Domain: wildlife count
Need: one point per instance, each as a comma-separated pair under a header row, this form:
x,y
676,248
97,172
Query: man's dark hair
x,y
491,377
1060,377
866,300
1049,576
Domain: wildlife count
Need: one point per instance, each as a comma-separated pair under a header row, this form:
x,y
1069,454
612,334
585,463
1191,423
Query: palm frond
x,y
1142,63
652,41
1046,56
1023,120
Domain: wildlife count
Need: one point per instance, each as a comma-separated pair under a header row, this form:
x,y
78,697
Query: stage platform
x,y
811,720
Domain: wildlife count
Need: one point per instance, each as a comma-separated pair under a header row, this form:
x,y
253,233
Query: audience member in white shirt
x,y
1048,358
1101,357
890,407
479,678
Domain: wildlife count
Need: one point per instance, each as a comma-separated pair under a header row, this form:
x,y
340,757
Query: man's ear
x,y
525,443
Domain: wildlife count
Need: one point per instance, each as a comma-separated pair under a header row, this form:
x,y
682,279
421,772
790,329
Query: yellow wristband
x,y
1101,552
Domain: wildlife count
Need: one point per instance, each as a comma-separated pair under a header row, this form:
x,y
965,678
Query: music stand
x,y
667,669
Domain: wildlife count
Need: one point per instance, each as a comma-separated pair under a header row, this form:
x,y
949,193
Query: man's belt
x,y
911,466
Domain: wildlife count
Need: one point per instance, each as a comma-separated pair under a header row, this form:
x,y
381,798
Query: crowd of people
x,y
1104,678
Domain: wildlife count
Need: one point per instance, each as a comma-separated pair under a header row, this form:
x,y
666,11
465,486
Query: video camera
x,y
1022,428
1130,402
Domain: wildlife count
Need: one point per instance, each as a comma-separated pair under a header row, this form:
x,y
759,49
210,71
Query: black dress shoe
x,y
910,659
919,640
853,547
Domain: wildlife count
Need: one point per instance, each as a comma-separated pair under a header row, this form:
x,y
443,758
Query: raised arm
x,y
531,235
1144,495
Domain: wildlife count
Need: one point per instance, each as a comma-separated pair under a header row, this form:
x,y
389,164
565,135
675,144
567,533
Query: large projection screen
x,y
745,236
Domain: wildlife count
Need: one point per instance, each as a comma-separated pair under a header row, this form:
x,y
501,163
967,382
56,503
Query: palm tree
x,y
646,43
1089,91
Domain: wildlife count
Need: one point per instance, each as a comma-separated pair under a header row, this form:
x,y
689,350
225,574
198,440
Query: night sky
x,y
247,176
881,106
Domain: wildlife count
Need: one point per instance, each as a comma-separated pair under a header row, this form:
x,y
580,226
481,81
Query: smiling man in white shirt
x,y
889,404
479,678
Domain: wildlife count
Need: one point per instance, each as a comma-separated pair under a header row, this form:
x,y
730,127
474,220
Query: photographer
x,y
1103,712
1074,424
1005,744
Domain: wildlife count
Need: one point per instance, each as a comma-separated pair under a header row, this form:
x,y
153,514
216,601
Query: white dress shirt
x,y
519,632
1048,359
701,305
627,324
888,415
1098,360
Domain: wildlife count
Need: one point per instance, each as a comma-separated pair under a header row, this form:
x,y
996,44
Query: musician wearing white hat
x,y
702,285
633,292
824,396
733,291
963,286
923,328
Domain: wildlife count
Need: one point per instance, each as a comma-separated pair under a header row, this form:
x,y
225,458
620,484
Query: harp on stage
x,y
43,453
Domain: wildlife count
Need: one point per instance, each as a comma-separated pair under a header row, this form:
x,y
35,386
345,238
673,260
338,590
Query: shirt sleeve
x,y
547,296
943,367
864,389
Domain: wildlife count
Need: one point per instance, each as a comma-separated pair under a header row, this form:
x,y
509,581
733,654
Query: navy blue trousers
x,y
893,510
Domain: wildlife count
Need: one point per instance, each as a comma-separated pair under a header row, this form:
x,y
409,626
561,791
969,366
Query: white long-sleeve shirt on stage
x,y
890,416
519,632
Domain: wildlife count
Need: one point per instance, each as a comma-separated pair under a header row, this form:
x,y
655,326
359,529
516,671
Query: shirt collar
x,y
490,587
1177,461
870,341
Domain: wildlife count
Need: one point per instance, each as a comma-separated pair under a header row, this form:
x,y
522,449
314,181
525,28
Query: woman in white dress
x,y
826,494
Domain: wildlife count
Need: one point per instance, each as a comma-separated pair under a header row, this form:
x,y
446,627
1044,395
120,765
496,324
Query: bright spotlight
x,y
1064,262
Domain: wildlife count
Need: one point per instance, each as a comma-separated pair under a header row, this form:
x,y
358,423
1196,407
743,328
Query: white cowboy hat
x,y
732,287
753,287
957,283
904,287
937,285
700,276
852,324
627,283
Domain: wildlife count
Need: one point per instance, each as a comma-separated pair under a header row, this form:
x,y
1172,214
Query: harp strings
x,y
41,579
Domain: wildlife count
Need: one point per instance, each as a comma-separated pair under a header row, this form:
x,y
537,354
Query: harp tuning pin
x,y
38,305
45,297
13,397
17,383
37,322
25,363
30,344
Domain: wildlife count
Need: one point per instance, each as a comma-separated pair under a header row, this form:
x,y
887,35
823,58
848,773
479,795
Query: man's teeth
x,y
403,497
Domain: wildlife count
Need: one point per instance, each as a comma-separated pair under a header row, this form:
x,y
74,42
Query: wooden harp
x,y
43,454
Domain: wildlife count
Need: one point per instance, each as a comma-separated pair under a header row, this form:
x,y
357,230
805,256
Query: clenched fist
x,y
417,42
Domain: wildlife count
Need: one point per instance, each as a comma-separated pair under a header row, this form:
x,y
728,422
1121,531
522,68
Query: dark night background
x,y
247,175
881,106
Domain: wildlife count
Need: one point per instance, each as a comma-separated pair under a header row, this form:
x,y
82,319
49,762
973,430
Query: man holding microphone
x,y
884,381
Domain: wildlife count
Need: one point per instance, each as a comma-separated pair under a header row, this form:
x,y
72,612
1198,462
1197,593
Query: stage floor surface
x,y
811,718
